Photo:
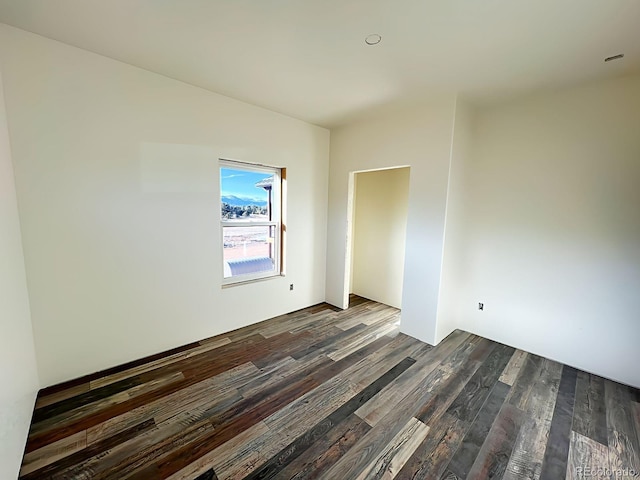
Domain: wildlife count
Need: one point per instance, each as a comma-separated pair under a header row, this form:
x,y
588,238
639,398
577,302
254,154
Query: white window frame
x,y
276,220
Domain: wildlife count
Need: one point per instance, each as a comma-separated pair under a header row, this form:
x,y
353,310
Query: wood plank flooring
x,y
321,393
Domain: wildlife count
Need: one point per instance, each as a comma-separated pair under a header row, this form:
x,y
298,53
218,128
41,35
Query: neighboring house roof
x,y
267,183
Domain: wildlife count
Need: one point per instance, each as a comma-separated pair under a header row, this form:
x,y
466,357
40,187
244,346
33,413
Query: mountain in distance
x,y
236,201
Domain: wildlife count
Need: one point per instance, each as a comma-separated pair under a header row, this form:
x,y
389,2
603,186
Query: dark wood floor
x,y
339,395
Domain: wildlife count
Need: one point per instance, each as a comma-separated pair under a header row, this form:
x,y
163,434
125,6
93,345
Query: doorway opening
x,y
377,223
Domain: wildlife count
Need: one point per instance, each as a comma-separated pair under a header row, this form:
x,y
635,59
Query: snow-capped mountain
x,y
236,201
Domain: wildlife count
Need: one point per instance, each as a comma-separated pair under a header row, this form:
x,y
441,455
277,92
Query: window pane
x,y
245,195
248,249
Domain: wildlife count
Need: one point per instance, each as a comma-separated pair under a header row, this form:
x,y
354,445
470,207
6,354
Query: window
x,y
251,221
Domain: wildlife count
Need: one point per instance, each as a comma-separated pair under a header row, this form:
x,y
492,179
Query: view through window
x,y
250,215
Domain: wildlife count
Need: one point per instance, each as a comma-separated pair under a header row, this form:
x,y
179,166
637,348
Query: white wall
x,y
117,182
380,225
18,374
455,254
418,136
552,227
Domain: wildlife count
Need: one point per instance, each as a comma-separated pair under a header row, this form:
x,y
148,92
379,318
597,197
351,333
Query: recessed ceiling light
x,y
614,57
373,39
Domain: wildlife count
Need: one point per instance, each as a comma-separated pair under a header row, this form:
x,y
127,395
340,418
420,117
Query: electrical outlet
x,y
291,286
480,306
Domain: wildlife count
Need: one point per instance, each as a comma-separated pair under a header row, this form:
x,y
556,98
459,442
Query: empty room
x,y
316,239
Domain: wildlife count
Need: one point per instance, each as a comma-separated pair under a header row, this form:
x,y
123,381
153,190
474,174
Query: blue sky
x,y
241,183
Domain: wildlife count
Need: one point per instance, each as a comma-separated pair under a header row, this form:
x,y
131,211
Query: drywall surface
x,y
18,373
418,136
552,233
118,187
455,255
380,225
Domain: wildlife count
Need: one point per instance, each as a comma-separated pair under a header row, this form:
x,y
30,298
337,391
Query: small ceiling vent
x,y
615,57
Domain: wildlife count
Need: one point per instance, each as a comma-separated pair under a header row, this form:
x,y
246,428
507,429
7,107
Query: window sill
x,y
252,280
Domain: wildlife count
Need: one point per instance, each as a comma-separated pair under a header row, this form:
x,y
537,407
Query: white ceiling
x,y
308,59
